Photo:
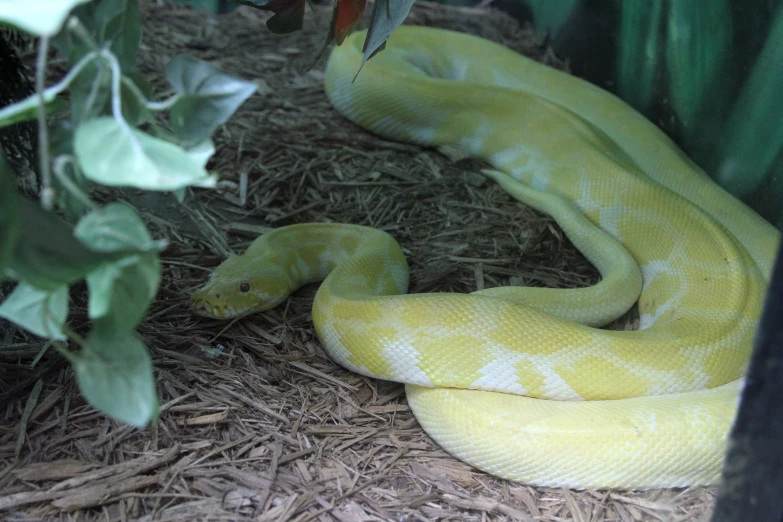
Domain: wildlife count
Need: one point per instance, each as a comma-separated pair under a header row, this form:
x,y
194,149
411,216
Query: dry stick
x,y
32,400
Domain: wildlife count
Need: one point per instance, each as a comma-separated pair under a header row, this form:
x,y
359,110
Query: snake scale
x,y
522,382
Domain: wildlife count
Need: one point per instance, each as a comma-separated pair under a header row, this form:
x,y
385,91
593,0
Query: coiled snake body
x,y
522,382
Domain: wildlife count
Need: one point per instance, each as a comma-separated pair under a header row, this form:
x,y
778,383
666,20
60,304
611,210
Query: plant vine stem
x,y
62,350
76,27
116,82
59,171
163,104
47,193
73,336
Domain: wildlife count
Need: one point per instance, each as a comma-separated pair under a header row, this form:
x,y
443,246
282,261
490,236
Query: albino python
x,y
521,382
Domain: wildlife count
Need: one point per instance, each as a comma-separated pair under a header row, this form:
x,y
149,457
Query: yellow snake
x,y
521,382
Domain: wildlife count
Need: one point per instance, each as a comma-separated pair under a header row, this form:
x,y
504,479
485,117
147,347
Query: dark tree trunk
x,y
19,142
753,468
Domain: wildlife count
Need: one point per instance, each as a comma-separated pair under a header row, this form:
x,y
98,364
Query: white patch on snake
x,y
380,286
500,375
555,387
423,135
651,270
303,268
647,320
337,351
586,204
501,79
501,158
475,143
540,180
457,70
403,360
535,169
323,260
651,421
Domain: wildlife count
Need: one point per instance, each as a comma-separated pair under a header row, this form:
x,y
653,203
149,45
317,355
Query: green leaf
x,y
116,23
91,93
70,189
114,373
134,101
39,17
91,89
42,312
114,228
121,27
387,15
27,109
47,255
289,14
9,218
116,155
208,97
201,152
120,291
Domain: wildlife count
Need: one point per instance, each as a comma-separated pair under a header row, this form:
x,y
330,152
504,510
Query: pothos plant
x,y
98,125
110,136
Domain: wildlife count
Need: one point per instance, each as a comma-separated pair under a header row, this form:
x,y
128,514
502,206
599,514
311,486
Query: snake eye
x,y
244,287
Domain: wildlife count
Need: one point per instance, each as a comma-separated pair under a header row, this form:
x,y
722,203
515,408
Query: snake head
x,y
239,286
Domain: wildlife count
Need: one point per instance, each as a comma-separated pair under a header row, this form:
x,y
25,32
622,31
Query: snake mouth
x,y
204,308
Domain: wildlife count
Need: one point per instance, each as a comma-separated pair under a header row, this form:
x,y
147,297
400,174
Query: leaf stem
x,y
73,336
163,104
11,110
116,79
62,350
75,70
60,162
151,105
47,193
75,26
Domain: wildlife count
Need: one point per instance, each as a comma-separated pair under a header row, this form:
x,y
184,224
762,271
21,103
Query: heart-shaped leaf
x,y
113,228
42,312
114,373
39,17
50,256
208,97
114,154
122,290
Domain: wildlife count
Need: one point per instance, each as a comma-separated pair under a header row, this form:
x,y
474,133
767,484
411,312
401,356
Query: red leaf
x,y
346,18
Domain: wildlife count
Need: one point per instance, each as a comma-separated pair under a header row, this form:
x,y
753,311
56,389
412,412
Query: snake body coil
x,y
522,382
